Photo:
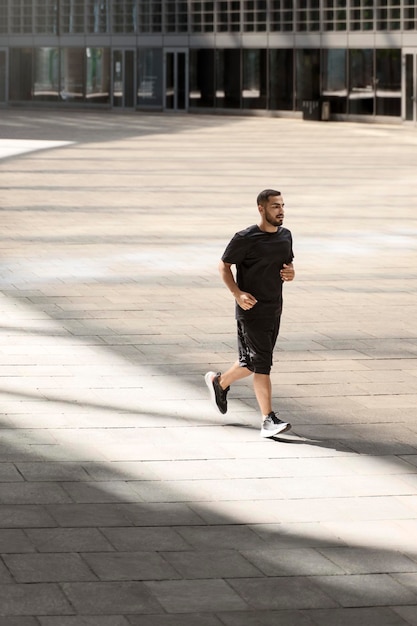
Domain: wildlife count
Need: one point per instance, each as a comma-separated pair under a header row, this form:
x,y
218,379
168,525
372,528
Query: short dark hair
x,y
264,196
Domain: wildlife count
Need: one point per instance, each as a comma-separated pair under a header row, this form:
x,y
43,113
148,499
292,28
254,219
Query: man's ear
x,y
260,209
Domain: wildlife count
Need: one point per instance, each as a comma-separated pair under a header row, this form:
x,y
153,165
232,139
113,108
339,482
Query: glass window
x,y
281,15
46,16
4,16
201,16
334,15
125,16
176,16
150,16
389,15
72,74
388,82
362,14
307,76
281,79
307,15
334,86
254,82
3,74
21,16
46,74
20,74
97,16
254,16
202,75
72,16
149,77
410,15
361,82
228,16
98,75
228,81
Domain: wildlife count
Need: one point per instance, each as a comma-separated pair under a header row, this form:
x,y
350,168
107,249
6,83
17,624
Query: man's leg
x,y
219,384
234,373
263,391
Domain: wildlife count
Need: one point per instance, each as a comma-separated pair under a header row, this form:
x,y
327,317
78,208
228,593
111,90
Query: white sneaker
x,y
272,425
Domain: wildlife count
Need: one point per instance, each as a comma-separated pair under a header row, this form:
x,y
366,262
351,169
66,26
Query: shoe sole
x,y
280,429
209,382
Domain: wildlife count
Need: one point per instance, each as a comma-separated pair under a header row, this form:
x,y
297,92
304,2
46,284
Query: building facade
x,y
271,56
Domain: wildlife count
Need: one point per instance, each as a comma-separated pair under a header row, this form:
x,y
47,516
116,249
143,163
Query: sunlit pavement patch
x,y
13,147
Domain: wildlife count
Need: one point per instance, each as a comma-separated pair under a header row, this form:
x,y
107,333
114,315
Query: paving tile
x,y
212,563
146,538
73,515
39,568
52,471
112,491
24,516
33,599
265,618
130,566
194,596
407,614
305,561
380,616
368,561
366,590
14,540
295,592
32,493
68,540
110,598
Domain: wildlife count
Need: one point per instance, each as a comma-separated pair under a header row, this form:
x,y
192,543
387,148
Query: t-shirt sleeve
x,y
235,250
291,255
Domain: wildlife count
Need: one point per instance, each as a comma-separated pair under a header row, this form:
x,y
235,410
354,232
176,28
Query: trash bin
x,y
311,109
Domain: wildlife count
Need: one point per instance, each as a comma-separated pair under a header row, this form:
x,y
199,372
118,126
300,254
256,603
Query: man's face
x,y
273,211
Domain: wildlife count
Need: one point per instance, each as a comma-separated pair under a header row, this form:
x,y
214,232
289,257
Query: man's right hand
x,y
246,301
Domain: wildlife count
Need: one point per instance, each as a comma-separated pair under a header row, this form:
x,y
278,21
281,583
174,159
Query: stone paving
x,y
125,499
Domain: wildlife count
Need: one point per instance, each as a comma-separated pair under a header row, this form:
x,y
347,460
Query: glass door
x,y
3,76
123,79
176,79
409,86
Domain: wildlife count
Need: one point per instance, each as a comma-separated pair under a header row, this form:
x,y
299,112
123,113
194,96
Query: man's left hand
x,y
287,273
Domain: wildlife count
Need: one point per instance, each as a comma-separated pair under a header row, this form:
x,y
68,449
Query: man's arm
x,y
245,300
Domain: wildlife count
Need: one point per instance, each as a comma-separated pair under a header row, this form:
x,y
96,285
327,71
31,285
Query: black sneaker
x,y
217,394
272,425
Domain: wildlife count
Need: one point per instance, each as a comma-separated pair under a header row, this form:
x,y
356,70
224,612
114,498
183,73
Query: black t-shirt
x,y
259,256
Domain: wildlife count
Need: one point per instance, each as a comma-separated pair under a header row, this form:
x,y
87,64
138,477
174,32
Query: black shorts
x,y
256,339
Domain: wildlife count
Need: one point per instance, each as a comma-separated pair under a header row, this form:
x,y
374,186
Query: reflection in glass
x,y
228,87
202,73
149,77
281,79
307,76
388,82
361,74
3,61
409,87
72,74
46,83
98,75
20,76
254,79
334,86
